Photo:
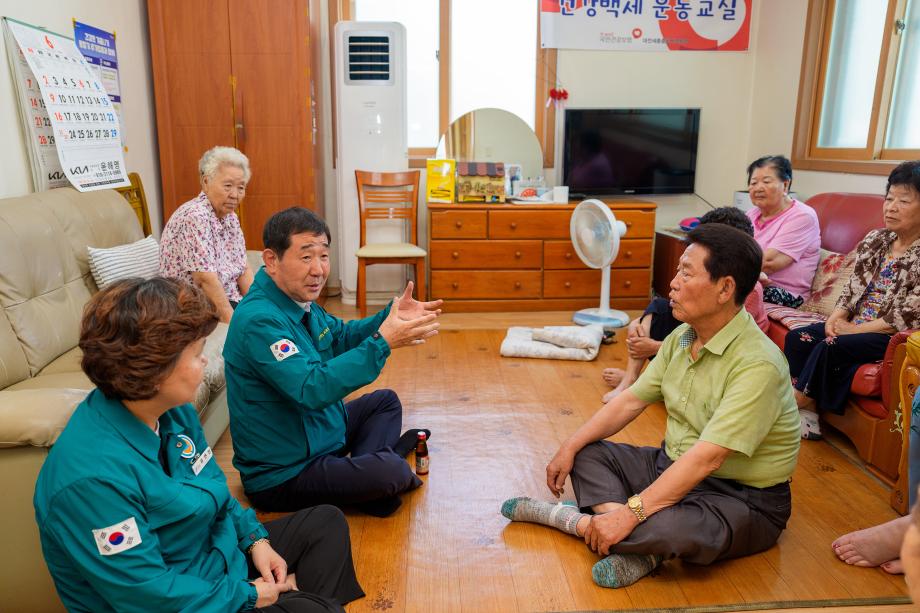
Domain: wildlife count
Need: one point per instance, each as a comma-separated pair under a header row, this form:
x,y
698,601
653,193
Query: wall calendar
x,y
64,108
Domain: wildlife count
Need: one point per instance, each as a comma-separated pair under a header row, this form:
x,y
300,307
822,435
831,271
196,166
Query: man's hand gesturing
x,y
399,332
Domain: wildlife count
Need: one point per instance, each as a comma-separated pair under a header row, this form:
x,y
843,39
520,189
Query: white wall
x,y
128,19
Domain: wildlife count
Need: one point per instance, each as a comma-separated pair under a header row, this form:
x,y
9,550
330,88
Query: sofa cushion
x,y
868,380
834,270
791,318
69,362
13,364
73,380
138,259
36,417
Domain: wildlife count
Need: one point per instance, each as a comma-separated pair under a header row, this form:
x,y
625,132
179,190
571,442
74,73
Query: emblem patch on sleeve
x,y
284,349
117,538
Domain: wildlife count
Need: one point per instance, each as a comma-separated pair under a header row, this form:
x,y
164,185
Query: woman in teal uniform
x,y
133,511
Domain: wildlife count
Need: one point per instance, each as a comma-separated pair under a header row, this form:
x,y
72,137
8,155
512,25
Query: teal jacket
x,y
119,534
286,384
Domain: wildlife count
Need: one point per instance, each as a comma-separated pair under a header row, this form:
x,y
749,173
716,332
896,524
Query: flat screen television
x,y
630,151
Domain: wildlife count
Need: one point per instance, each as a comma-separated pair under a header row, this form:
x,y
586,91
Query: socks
x,y
811,429
406,443
622,569
562,516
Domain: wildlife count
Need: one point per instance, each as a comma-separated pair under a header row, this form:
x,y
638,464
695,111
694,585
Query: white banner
x,y
85,127
646,25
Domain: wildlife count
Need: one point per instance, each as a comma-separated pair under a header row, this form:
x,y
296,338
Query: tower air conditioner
x,y
371,134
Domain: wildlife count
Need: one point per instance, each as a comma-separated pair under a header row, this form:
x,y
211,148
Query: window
x,y
452,68
859,95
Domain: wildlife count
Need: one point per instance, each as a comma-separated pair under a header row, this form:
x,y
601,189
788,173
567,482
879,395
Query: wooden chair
x,y
134,194
388,196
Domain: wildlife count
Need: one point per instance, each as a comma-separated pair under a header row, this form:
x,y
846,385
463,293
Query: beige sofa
x,y
44,284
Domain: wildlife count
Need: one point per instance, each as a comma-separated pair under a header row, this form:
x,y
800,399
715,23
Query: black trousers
x,y
316,546
365,470
663,320
824,368
718,519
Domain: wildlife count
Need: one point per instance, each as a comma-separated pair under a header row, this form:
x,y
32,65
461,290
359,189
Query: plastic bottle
x,y
421,455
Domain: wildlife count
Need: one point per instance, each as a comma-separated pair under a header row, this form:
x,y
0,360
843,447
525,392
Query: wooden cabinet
x,y
510,257
237,73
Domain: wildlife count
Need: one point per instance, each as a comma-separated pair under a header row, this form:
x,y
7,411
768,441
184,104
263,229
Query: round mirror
x,y
493,135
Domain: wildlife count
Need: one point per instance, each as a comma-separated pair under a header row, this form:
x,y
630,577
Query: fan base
x,y
610,319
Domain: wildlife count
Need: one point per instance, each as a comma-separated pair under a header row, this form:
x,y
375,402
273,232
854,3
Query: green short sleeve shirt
x,y
736,394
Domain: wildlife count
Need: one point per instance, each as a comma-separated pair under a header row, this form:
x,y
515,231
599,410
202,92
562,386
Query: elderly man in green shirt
x,y
718,487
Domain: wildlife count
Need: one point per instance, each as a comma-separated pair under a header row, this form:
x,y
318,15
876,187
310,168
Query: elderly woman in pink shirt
x,y
202,242
786,229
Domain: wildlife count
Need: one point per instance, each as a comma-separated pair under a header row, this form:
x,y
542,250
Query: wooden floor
x,y
495,423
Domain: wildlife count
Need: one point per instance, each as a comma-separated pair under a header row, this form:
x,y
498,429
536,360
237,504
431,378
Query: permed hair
x,y
779,163
134,330
905,173
215,157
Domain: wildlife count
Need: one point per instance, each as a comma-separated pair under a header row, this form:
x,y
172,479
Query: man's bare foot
x,y
873,546
895,567
613,376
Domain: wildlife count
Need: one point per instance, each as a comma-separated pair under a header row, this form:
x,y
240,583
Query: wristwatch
x,y
635,505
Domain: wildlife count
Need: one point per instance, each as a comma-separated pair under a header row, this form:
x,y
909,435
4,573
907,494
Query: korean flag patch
x,y
117,538
284,349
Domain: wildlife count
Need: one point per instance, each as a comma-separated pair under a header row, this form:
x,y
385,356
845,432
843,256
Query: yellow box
x,y
441,180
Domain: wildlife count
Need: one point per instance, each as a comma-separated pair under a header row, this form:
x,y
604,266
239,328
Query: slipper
x,y
406,443
811,429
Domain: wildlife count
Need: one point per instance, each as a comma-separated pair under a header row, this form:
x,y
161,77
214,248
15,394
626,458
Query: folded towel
x,y
553,342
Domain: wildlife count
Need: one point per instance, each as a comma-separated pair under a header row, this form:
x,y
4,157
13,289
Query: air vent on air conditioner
x,y
368,59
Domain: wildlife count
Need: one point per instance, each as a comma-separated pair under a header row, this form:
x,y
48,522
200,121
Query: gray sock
x,y
562,516
622,569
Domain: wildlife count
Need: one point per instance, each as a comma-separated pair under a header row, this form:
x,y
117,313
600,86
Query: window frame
x,y
544,116
872,159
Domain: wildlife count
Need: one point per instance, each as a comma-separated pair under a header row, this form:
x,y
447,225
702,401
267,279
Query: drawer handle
x,y
459,224
513,225
568,255
455,285
517,285
568,284
517,254
627,284
629,254
455,254
629,224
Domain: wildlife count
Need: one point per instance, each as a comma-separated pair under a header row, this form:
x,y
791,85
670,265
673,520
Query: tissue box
x,y
440,180
481,181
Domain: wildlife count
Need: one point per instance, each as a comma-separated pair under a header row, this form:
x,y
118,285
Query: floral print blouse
x,y
900,305
195,239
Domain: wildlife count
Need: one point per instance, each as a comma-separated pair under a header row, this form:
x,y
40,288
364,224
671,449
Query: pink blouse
x,y
796,233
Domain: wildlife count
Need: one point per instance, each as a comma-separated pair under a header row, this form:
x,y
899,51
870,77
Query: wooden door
x,y
257,56
190,56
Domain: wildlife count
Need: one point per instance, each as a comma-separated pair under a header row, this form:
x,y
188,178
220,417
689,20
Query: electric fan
x,y
596,236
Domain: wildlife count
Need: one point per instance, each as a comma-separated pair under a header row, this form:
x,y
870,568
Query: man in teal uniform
x,y
289,365
718,487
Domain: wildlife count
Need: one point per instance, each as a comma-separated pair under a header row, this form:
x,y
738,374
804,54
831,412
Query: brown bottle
x,y
421,455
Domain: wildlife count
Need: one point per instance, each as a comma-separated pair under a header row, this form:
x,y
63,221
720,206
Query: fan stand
x,y
610,319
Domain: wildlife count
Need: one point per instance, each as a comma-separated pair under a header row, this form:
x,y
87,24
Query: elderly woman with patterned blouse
x,y
881,297
203,243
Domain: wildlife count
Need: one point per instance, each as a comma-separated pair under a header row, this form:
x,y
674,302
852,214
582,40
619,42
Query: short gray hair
x,y
215,157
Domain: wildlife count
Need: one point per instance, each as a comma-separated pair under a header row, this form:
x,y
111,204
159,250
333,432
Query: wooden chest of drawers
x,y
519,258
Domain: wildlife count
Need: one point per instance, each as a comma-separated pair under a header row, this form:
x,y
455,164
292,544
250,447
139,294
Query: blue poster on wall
x,y
98,47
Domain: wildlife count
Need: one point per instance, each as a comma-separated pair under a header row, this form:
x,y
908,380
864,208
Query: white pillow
x,y
140,259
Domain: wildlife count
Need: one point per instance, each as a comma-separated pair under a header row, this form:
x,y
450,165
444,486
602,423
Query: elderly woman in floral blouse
x,y
881,297
203,243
